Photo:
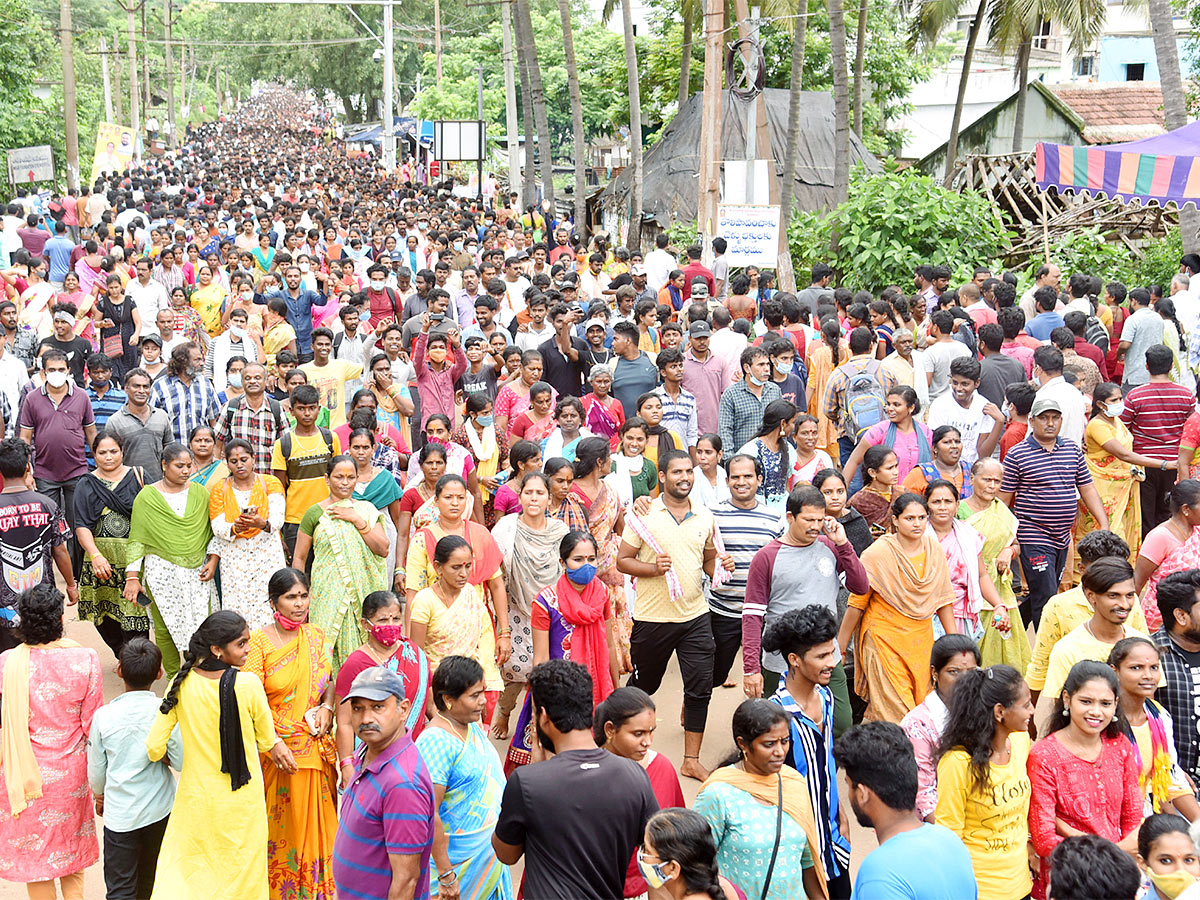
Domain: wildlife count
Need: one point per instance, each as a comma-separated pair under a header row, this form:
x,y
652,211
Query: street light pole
x,y
389,125
70,115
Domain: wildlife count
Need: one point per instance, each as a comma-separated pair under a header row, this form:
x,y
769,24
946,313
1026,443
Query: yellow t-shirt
x,y
306,467
685,542
330,379
993,826
1063,613
1077,645
447,635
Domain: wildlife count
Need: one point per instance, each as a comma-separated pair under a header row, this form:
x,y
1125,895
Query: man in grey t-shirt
x,y
1142,330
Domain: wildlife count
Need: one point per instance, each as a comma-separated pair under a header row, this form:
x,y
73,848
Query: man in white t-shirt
x,y
940,350
148,295
979,421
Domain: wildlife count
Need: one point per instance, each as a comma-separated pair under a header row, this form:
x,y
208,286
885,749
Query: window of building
x,y
1135,71
1041,37
1085,66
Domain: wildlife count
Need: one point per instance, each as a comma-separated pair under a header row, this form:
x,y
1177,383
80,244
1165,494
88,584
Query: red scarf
x,y
584,611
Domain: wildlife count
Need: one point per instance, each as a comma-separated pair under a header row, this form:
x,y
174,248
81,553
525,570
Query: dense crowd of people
x,y
366,468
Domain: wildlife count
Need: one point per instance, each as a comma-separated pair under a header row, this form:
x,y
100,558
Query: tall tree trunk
x,y
1162,26
841,102
968,55
564,11
529,191
537,95
685,60
787,190
634,239
860,57
1022,84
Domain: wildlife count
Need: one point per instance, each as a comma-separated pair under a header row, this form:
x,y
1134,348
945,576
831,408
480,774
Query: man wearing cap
x,y
1041,477
705,375
644,291
385,832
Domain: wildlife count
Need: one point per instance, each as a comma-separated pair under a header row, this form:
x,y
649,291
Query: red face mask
x,y
287,624
388,635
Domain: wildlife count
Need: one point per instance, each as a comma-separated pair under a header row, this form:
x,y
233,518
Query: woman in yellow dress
x,y
217,835
292,658
1108,448
891,626
208,299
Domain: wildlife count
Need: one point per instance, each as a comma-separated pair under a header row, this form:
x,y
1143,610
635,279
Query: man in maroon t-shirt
x,y
1077,322
697,269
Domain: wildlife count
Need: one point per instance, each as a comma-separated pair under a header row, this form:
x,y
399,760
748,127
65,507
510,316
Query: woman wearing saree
x,y
264,258
823,357
348,546
246,512
417,506
488,449
606,520
450,498
103,504
603,415
378,487
209,299
537,422
514,398
292,659
1108,449
529,544
458,460
565,507
207,467
572,620
891,627
166,558
467,782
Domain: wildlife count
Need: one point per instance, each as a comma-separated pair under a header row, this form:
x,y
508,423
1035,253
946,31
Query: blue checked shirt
x,y
679,415
740,415
186,405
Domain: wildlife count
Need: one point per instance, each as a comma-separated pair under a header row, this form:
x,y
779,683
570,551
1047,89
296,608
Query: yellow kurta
x,y
216,840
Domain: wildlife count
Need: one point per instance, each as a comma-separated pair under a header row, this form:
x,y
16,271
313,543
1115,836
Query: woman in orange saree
x,y
293,660
891,625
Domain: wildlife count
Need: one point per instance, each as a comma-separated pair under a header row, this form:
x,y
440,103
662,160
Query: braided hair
x,y
221,628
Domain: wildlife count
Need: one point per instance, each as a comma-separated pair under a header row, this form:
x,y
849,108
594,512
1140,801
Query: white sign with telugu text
x,y
752,233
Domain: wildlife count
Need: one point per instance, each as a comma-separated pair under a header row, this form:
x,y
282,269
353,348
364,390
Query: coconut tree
x,y
841,101
537,97
860,58
787,189
634,236
577,136
1162,26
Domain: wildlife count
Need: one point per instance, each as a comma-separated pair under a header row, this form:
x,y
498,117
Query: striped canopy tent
x,y
1155,170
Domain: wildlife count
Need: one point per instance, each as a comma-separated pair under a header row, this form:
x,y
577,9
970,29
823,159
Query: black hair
x,y
684,837
941,431
776,413
431,449
41,611
937,484
141,661
521,452
282,581
573,539
335,461
446,480
620,706
751,720
804,495
14,458
377,600
446,546
368,433
1089,866
971,725
949,646
1159,359
966,367
238,443
875,458
819,479
563,690
1099,544
588,453
908,395
798,631
305,395
1157,825
221,628
1177,591
452,678
1185,492
1105,573
1081,673
879,756
172,452
713,439
665,459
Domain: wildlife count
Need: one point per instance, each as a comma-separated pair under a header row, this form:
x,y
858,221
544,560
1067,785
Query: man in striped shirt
x,y
1041,477
807,566
1155,413
745,525
385,833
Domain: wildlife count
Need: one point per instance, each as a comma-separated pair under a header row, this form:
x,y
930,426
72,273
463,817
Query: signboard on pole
x,y
752,233
29,164
455,141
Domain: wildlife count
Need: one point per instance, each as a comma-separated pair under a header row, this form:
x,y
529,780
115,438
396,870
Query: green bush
x,y
893,222
1089,251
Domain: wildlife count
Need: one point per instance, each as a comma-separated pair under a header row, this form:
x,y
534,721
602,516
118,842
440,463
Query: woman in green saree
x,y
349,558
379,488
103,504
167,559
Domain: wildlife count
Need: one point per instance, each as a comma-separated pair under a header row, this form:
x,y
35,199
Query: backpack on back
x,y
864,399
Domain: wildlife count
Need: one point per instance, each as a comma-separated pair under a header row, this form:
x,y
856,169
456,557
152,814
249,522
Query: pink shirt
x,y
924,725
907,446
1159,544
1021,353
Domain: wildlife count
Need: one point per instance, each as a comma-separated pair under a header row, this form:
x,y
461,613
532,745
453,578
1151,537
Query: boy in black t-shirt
x,y
76,348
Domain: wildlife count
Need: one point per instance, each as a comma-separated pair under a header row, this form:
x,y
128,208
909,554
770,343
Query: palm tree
x,y
634,236
1162,26
692,14
577,137
537,97
787,189
841,102
529,176
860,58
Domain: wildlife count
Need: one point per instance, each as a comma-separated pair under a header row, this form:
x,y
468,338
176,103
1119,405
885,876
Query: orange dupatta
x,y
224,500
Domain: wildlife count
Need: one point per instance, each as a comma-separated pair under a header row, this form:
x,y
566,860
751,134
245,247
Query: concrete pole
x,y
108,108
71,124
118,97
510,98
389,125
437,40
710,122
134,113
170,72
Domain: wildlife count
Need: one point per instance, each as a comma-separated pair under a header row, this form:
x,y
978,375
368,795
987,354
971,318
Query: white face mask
x,y
458,245
235,379
247,295
303,267
238,333
56,379
377,285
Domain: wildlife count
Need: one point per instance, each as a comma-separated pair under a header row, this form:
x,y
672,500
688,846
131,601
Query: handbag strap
x,y
778,836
